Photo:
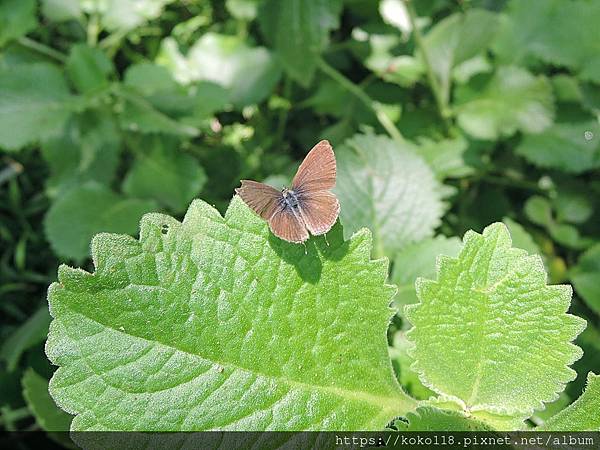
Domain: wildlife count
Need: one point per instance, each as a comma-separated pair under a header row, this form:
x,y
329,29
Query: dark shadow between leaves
x,y
307,262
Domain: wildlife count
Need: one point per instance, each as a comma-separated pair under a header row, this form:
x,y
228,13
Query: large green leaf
x,y
571,147
34,104
248,73
512,100
402,362
456,39
84,211
582,415
387,187
17,18
214,323
181,176
490,334
299,31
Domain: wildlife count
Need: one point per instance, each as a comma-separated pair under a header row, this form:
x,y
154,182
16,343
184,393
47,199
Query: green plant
x,y
448,119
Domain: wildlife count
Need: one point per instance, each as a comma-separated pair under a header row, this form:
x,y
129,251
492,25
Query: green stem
x,y
433,81
374,106
42,49
93,30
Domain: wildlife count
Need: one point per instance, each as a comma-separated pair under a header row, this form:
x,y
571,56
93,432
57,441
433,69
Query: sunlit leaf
x,y
214,323
490,334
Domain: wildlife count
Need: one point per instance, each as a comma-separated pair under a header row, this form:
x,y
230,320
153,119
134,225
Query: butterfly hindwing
x,y
319,211
288,225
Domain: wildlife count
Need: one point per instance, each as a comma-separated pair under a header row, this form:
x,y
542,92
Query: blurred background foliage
x,y
445,116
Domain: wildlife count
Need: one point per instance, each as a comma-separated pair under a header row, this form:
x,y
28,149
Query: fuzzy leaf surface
x,y
213,323
490,333
582,414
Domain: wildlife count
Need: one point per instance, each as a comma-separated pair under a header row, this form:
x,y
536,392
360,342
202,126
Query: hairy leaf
x,y
387,187
429,418
214,323
163,173
402,362
84,211
34,104
490,333
581,415
512,100
299,31
571,147
419,260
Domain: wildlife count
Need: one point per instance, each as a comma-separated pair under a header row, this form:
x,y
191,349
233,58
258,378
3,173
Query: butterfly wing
x,y
317,171
264,200
318,207
287,225
319,210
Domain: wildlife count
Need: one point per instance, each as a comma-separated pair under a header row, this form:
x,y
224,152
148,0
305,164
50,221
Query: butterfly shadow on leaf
x,y
308,261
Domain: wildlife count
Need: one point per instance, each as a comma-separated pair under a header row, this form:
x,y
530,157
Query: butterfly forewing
x,y
263,199
287,225
317,171
319,211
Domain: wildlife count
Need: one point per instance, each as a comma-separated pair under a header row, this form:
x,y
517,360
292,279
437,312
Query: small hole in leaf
x,y
164,229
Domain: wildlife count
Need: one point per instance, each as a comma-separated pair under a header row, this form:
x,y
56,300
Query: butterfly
x,y
308,205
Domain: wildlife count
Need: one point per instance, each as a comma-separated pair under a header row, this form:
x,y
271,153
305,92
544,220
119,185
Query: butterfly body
x,y
308,206
290,198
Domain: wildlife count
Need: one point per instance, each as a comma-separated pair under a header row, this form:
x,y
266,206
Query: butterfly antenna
x,y
326,241
305,251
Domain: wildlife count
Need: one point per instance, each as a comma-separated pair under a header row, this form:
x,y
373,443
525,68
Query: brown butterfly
x,y
307,206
